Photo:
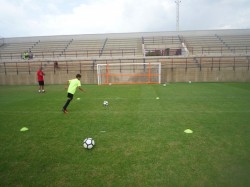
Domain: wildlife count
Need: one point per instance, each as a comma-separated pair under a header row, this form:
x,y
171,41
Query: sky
x,y
20,18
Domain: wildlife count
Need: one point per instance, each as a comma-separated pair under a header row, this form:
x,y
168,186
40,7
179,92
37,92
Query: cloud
x,y
110,16
220,14
63,17
99,16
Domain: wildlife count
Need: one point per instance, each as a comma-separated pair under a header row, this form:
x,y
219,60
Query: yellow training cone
x,y
188,131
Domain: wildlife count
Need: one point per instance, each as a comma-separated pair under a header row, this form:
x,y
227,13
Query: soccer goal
x,y
129,73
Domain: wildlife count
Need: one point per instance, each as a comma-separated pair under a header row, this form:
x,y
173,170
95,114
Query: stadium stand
x,y
237,44
84,48
50,49
122,47
220,42
205,45
1,41
213,50
164,45
14,51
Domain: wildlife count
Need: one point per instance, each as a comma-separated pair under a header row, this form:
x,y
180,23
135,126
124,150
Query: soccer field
x,y
140,140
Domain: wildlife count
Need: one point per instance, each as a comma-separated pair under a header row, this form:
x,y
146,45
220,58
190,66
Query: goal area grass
x,y
140,138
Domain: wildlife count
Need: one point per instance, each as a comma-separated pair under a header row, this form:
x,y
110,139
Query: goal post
x,y
129,73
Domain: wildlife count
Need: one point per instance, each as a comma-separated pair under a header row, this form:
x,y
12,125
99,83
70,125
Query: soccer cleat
x,y
65,111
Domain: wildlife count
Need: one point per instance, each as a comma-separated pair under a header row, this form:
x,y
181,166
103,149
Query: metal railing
x,y
1,41
200,62
73,54
219,50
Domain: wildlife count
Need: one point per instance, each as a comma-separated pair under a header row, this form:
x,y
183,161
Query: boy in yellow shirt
x,y
72,85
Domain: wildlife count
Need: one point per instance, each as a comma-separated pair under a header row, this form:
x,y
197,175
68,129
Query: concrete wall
x,y
88,77
239,74
206,75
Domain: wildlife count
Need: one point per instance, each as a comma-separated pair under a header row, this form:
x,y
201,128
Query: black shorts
x,y
70,96
41,83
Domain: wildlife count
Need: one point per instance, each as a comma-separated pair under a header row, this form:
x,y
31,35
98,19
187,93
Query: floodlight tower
x,y
177,14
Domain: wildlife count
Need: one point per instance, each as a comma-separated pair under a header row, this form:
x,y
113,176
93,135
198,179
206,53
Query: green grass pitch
x,y
140,140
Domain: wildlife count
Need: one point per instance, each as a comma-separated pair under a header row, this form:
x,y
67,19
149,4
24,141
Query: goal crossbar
x,y
129,73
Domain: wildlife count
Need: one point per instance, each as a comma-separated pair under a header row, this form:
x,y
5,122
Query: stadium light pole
x,y
177,14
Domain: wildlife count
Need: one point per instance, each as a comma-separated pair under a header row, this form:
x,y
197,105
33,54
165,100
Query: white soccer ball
x,y
105,103
88,143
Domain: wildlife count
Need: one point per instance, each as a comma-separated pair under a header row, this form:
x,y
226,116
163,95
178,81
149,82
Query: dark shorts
x,y
70,96
41,83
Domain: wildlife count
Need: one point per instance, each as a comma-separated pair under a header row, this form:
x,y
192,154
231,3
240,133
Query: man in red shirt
x,y
40,79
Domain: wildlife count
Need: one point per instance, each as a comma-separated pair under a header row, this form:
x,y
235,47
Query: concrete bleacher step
x,y
218,42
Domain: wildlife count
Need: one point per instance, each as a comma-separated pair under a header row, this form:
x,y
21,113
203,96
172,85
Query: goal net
x,y
129,73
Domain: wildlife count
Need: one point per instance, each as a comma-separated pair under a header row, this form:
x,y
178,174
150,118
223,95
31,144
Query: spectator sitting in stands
x,y
25,55
30,55
56,65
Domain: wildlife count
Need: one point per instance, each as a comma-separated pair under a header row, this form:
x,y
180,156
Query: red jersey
x,y
40,75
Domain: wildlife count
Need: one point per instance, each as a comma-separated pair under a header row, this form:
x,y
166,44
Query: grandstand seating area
x,y
220,42
214,49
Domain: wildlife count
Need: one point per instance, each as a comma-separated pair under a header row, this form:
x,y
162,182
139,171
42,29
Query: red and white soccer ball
x,y
88,143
